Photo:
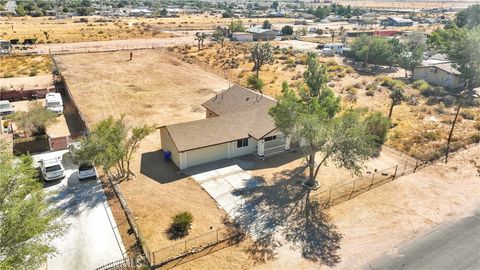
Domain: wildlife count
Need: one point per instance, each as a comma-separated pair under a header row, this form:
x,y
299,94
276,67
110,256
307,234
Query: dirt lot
x,y
376,222
169,91
18,83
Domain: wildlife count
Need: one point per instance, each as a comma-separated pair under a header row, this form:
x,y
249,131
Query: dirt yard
x,y
153,88
376,222
17,66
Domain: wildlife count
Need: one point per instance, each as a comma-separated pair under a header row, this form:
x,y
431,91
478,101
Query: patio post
x,y
261,148
287,142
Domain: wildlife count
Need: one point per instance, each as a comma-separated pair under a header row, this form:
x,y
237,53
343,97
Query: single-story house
x,y
262,34
237,123
440,74
394,21
242,37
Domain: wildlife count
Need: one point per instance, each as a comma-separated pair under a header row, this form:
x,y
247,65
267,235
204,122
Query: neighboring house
x,y
242,37
237,124
440,74
397,22
262,34
5,47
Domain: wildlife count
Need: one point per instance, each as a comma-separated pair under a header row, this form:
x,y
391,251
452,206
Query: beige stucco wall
x,y
205,155
436,76
168,145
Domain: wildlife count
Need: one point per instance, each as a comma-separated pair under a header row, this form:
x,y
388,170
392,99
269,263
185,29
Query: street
x,y
454,245
92,239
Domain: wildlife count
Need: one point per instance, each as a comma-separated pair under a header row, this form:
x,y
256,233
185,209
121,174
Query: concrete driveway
x,y
92,239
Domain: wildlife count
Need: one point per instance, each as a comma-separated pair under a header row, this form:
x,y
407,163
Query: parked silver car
x,y
6,107
86,171
52,169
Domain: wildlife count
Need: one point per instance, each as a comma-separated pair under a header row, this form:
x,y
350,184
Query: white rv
x,y
336,47
54,103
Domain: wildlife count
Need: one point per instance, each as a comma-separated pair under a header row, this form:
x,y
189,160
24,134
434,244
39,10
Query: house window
x,y
242,143
271,138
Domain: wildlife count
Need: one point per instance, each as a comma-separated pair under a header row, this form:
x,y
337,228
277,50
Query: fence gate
x,y
59,143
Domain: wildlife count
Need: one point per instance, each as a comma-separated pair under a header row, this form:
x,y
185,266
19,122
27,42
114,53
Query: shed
x,y
262,34
242,37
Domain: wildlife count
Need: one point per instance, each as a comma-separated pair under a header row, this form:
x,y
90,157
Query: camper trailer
x,y
54,103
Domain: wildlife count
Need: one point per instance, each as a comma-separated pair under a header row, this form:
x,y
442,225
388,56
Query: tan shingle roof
x,y
242,113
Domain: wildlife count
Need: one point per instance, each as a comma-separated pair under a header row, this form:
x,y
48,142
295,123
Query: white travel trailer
x,y
336,47
54,103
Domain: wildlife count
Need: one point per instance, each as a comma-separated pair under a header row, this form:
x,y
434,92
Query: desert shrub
x,y
454,146
181,224
349,70
432,101
334,68
467,114
427,155
418,83
8,74
440,109
255,83
474,138
341,75
448,100
33,72
331,62
377,125
372,86
431,135
358,85
477,124
392,83
370,93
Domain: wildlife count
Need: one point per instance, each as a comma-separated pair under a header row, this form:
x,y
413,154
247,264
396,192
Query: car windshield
x,y
5,106
54,104
53,168
85,166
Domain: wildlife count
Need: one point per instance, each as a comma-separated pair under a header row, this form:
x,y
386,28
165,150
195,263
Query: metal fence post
x,y
395,173
416,165
353,189
185,246
371,183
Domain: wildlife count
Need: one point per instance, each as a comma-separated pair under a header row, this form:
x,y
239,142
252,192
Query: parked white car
x,y
73,149
52,169
6,107
54,103
86,171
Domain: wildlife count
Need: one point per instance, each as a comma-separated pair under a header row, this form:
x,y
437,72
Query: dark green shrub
x,y
431,136
255,83
467,114
181,224
474,138
377,125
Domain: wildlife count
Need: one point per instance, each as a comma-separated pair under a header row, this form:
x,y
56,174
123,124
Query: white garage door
x,y
207,154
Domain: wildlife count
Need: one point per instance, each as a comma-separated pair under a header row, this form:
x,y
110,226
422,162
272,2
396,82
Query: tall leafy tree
x,y
468,17
312,118
27,223
36,120
412,52
261,54
219,35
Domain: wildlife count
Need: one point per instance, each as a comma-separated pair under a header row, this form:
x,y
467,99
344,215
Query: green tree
x,y
373,50
236,26
287,30
396,97
412,52
261,54
464,51
110,146
468,17
219,35
163,12
20,10
307,118
36,120
266,25
200,37
255,83
28,224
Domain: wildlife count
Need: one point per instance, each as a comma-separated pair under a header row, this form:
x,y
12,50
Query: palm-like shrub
x,y
181,224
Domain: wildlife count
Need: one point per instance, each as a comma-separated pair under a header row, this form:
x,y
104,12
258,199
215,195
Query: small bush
x,y
33,72
377,125
477,124
474,138
370,93
467,114
181,224
255,83
431,136
8,75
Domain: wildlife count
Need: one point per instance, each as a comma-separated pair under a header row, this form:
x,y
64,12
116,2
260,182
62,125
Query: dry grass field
x,y
421,128
154,88
18,66
51,30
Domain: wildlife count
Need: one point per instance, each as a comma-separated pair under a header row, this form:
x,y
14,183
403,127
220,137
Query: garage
x,y
205,155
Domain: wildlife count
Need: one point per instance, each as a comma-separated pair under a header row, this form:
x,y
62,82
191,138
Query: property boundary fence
x,y
123,264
